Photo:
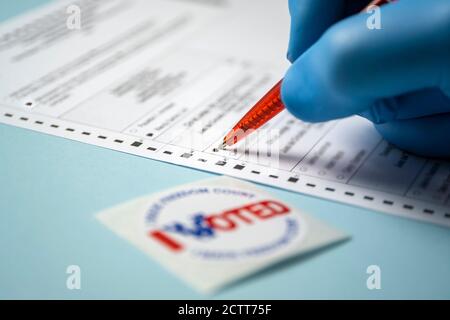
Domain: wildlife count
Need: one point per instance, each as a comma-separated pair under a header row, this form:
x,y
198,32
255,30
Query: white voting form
x,y
167,79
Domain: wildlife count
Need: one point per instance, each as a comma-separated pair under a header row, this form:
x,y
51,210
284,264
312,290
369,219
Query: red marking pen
x,y
265,109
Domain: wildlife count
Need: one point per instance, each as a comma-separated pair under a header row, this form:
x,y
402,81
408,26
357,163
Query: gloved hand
x,y
398,76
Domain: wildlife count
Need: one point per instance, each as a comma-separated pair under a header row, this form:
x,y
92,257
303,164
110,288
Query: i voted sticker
x,y
213,232
222,223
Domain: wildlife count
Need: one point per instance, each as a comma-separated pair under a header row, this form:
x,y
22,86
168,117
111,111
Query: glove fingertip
x,y
293,97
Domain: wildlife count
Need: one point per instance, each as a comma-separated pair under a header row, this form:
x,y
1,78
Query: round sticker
x,y
223,223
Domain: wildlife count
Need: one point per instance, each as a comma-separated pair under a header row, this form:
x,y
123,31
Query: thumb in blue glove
x,y
398,77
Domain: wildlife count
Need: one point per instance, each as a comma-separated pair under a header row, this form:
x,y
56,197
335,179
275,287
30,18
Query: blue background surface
x,y
51,189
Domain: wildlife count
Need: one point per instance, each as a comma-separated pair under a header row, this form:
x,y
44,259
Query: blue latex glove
x,y
398,76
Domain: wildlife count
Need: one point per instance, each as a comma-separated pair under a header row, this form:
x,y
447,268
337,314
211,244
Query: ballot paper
x,y
167,79
211,233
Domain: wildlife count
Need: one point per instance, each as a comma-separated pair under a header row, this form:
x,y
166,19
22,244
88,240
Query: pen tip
x,y
222,146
